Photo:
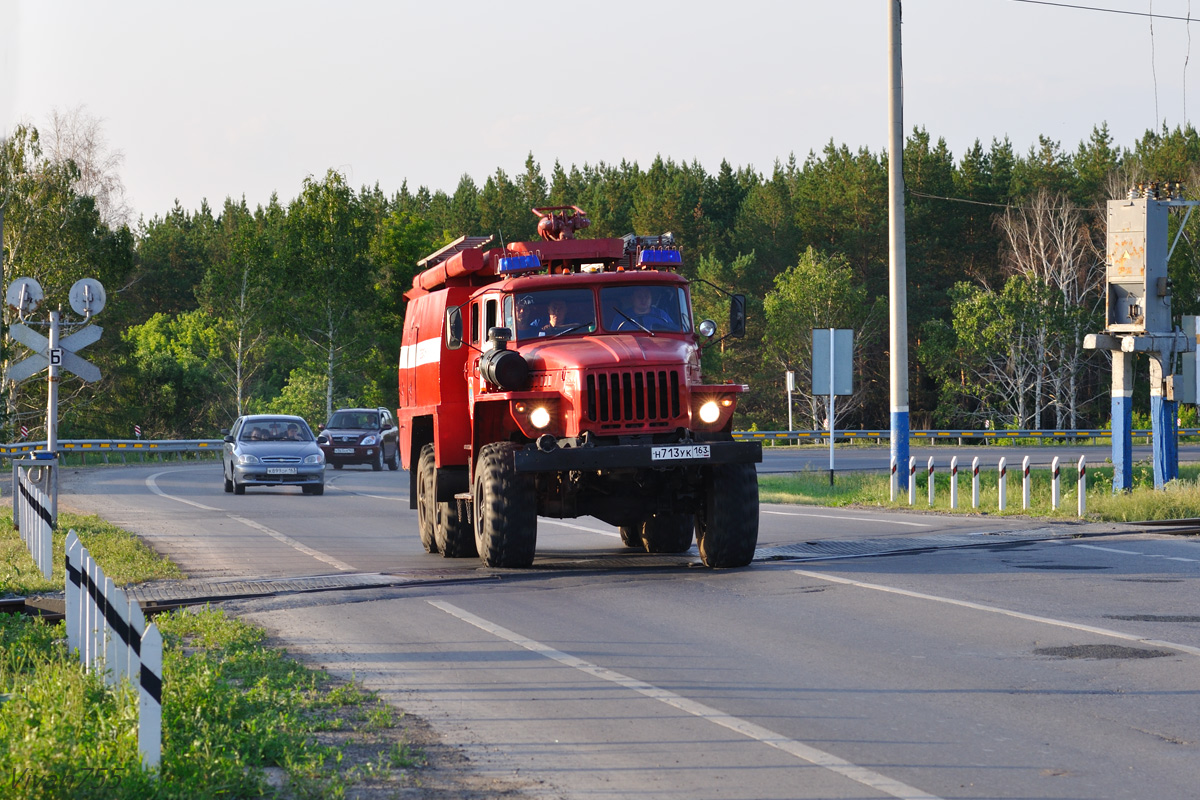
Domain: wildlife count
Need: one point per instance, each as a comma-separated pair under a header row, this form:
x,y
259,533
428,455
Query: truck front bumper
x,y
637,456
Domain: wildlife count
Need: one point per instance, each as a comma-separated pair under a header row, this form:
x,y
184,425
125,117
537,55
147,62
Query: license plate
x,y
343,451
677,452
281,470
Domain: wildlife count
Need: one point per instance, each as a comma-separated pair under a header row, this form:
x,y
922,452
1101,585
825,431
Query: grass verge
x,y
1180,499
240,719
125,558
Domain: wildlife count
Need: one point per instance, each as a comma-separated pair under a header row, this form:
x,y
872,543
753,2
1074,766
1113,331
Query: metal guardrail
x,y
118,446
952,434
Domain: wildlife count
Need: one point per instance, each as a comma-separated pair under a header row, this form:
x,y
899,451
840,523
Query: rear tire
x,y
505,509
727,525
631,536
668,533
454,534
426,506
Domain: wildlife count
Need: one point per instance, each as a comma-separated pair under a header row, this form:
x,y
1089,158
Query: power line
x,y
1150,14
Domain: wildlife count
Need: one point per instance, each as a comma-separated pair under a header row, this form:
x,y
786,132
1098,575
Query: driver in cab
x,y
643,312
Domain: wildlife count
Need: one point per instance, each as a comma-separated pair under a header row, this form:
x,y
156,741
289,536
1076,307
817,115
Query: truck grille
x,y
627,398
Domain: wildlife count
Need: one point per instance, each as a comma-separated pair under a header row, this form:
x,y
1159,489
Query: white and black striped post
x,y
1003,484
912,480
954,482
1055,489
929,474
975,482
1082,485
150,697
1026,489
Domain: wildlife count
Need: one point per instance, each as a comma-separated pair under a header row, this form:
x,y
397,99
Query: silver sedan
x,y
272,450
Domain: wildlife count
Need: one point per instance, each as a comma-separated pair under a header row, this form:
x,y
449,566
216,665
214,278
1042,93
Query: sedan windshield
x,y
275,430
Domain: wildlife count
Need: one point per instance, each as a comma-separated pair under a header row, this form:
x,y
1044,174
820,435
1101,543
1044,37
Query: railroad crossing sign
x,y
61,356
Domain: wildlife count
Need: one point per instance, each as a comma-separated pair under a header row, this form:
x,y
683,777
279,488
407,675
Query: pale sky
x,y
248,97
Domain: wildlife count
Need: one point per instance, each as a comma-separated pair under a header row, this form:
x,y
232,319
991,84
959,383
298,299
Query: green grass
x,y
234,710
1179,500
125,558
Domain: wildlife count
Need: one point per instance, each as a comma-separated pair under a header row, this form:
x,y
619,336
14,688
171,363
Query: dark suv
x,y
361,436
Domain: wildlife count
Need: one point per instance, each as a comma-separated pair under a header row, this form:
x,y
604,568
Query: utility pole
x,y
897,271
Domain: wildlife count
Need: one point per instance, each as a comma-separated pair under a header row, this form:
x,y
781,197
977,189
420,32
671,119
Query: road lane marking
x,y
274,534
1135,553
804,752
1061,623
578,527
850,519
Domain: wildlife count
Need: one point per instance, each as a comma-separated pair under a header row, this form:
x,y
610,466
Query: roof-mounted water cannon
x,y
557,223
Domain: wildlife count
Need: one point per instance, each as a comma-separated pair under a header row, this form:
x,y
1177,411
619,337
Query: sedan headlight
x,y
315,458
370,439
246,458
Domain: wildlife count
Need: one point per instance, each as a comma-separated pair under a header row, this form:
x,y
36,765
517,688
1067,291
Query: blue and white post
x,y
1122,421
897,267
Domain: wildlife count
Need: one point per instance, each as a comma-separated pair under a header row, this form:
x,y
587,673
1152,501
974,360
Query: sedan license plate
x,y
343,451
678,452
281,470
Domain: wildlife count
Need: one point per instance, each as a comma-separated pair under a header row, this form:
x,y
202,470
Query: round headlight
x,y
539,417
710,412
707,328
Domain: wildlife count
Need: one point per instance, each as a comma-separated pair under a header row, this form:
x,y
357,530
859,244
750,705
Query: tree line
x,y
297,306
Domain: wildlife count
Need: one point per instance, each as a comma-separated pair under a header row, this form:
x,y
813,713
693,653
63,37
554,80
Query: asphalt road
x,y
865,654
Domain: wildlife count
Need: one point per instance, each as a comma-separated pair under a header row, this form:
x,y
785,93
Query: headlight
x,y
710,412
315,458
540,417
371,438
246,458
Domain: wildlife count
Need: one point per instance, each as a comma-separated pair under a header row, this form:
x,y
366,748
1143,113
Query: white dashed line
x,y
812,755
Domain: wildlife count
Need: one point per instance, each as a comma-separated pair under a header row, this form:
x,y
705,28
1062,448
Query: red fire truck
x,y
562,378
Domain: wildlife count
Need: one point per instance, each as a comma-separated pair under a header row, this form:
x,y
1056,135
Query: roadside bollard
x,y
975,482
912,479
954,482
930,476
892,481
1003,485
1082,485
1025,489
1055,494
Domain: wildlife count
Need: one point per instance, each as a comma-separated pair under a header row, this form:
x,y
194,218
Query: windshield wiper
x,y
631,319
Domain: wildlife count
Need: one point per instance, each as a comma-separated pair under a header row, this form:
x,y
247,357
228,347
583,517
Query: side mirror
x,y
737,316
454,328
228,438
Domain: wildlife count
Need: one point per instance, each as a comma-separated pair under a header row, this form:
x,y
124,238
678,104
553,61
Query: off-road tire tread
x,y
668,533
505,509
426,508
727,526
453,531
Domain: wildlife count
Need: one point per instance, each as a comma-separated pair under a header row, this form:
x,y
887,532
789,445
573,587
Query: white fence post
x,y
1003,485
930,478
110,633
954,482
1055,495
975,482
912,480
150,698
1026,489
1082,485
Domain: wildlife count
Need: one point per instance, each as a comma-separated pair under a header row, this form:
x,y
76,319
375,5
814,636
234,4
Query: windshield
x,y
552,312
353,419
275,430
651,308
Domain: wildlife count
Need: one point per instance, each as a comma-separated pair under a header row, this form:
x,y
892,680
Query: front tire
x,y
727,524
505,509
377,464
453,532
426,505
394,464
228,481
238,488
668,533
